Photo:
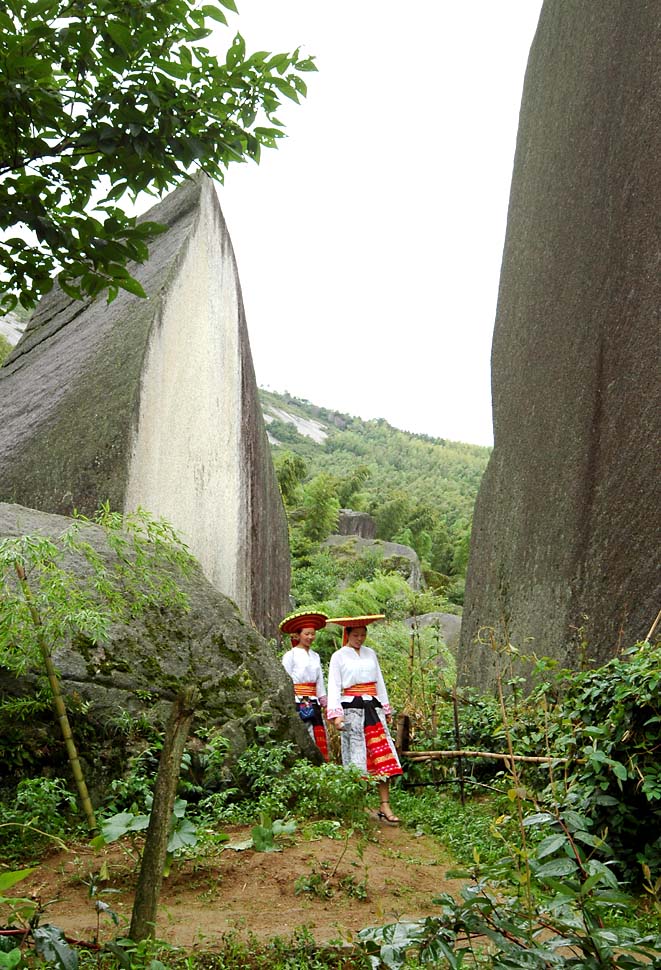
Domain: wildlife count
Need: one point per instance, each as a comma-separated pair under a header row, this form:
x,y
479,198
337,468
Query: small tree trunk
x,y
150,879
58,702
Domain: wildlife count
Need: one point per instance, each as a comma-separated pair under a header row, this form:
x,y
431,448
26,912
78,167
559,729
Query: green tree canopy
x,y
290,470
101,99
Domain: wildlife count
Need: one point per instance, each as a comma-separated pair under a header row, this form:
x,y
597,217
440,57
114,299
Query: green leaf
x,y
556,867
120,34
118,825
9,879
619,770
214,13
539,818
550,845
183,835
237,52
10,960
173,69
132,286
52,946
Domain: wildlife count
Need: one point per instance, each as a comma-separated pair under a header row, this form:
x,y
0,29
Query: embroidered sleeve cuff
x,y
335,712
387,709
323,701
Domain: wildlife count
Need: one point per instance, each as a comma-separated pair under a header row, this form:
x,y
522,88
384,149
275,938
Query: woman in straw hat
x,y
358,706
303,665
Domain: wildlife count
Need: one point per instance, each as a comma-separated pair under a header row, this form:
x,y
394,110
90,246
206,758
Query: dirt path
x,y
254,892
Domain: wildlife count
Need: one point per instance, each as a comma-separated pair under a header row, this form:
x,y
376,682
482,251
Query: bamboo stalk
x,y
58,701
653,628
457,741
433,755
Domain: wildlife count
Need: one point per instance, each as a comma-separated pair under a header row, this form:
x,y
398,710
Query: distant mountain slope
x,y
421,490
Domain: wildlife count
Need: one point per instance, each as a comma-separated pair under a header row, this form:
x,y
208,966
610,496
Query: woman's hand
x,y
338,722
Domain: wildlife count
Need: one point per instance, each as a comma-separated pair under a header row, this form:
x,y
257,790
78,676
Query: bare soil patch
x,y
253,892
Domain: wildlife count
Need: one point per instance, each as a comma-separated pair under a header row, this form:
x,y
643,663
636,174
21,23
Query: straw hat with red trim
x,y
349,622
295,622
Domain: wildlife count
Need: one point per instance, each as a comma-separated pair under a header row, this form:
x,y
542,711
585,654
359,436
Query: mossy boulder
x,y
138,671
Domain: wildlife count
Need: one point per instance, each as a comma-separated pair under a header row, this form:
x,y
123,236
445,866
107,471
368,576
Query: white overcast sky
x,y
369,244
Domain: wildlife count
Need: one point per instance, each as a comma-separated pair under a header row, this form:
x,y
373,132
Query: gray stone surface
x,y
396,557
144,663
566,529
448,623
154,403
11,328
352,523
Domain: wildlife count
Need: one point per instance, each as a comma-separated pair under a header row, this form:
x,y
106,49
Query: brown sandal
x,y
388,815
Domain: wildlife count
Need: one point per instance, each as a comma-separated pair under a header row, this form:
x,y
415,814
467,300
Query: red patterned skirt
x,y
366,740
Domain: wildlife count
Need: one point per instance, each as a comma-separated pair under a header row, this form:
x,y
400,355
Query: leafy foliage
x,y
604,728
549,904
5,348
41,813
275,786
183,832
106,98
143,573
612,723
49,941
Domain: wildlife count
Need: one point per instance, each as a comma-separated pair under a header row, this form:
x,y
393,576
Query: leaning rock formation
x,y
144,664
352,523
154,403
566,528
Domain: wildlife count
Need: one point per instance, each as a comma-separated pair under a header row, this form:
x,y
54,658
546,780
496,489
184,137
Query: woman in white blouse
x,y
358,706
303,665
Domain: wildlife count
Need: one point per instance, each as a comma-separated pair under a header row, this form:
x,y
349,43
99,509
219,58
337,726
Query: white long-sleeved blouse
x,y
304,667
349,667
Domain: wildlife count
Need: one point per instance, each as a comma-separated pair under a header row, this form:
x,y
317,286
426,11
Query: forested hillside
x,y
420,490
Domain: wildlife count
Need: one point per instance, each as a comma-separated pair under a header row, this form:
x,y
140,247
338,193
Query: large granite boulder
x,y
146,661
154,403
448,625
394,556
566,531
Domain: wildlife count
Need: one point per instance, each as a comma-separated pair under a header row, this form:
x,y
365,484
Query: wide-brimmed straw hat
x,y
302,619
349,622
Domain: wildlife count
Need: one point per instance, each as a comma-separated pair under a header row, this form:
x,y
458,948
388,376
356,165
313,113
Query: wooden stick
x,y
150,877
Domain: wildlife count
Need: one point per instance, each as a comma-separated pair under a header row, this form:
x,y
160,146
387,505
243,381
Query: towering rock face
x,y
566,528
154,403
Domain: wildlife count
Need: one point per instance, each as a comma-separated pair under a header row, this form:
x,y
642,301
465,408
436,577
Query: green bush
x,y
604,724
272,785
42,811
316,580
609,725
546,903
